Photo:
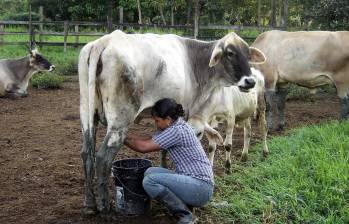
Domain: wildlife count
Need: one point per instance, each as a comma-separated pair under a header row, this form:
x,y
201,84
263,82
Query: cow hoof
x,y
280,128
265,154
244,157
88,211
106,216
227,167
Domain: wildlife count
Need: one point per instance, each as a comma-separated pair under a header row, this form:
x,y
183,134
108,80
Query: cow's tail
x,y
83,83
95,57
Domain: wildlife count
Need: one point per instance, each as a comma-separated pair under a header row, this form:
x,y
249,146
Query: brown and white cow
x,y
121,75
16,73
308,58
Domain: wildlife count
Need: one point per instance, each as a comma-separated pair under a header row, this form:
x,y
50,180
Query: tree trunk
x,y
259,13
139,12
110,16
285,14
196,18
172,14
189,5
273,9
161,9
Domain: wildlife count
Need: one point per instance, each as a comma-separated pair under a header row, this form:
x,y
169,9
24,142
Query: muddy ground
x,y
41,178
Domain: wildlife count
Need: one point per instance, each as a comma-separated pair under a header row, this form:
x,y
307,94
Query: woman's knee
x,y
155,169
151,186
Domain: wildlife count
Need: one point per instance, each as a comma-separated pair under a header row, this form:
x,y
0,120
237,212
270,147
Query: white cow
x,y
121,75
233,107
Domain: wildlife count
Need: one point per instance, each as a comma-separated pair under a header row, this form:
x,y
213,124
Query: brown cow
x,y
309,59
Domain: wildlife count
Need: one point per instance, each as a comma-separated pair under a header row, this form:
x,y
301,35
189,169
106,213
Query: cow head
x,y
231,57
201,127
38,62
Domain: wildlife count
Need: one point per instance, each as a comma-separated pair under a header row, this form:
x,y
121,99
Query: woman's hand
x,y
141,144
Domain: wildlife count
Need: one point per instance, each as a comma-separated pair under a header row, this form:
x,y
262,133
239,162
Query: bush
x,y
301,93
47,81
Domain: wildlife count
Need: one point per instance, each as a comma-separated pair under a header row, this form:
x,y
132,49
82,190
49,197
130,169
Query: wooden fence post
x,y
238,30
196,18
66,30
1,33
121,17
30,27
76,30
41,14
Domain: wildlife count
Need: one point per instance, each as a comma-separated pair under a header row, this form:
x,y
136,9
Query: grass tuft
x,y
47,81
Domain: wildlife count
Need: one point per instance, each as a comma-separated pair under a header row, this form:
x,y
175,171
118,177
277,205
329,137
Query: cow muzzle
x,y
246,83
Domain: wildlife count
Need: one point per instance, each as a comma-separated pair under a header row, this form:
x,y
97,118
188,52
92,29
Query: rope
x,y
124,186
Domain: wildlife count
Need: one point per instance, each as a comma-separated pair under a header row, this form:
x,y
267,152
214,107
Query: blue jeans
x,y
191,191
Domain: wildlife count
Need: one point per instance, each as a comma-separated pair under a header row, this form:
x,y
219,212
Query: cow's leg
x,y
88,158
344,107
269,95
228,143
212,146
247,139
281,101
111,145
342,85
163,161
264,132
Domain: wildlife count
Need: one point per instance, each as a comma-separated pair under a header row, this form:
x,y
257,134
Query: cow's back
x,y
159,64
305,58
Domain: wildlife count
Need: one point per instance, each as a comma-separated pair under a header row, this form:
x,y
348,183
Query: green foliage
x,y
304,180
9,8
301,93
22,16
329,15
47,81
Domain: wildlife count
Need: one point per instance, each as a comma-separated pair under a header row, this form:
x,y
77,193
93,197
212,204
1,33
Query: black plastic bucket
x,y
130,197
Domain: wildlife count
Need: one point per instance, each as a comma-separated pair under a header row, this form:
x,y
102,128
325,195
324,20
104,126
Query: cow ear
x,y
213,135
216,55
256,56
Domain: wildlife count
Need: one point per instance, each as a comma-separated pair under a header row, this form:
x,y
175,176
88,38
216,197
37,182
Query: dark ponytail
x,y
167,108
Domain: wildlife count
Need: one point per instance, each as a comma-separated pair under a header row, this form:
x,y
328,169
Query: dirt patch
x,y
41,178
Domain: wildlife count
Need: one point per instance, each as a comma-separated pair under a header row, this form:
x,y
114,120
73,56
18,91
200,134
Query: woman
x,y
191,184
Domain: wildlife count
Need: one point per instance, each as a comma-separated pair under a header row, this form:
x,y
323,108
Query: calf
x,y
234,107
16,73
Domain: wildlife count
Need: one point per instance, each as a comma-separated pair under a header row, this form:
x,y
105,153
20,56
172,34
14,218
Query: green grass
x,y
47,81
304,180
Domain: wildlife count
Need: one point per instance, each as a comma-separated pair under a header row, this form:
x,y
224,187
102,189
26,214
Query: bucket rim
x,y
128,159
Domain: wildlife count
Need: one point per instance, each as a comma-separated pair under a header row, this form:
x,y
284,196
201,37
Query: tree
x,y
139,12
284,14
273,14
189,7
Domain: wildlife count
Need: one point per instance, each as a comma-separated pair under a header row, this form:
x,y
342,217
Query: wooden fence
x,y
77,29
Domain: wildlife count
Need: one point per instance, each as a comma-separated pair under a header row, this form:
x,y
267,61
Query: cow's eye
x,y
231,54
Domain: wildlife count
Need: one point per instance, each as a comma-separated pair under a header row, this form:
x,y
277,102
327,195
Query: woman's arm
x,y
141,144
138,137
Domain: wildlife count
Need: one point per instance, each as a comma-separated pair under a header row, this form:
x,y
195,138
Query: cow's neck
x,y
199,55
203,77
20,68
